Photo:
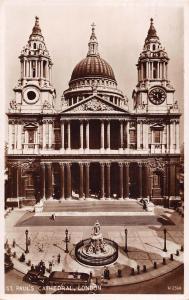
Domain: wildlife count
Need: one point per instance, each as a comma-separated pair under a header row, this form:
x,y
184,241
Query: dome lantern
x,y
93,43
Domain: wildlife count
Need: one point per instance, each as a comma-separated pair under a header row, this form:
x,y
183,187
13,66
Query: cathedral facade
x,y
96,147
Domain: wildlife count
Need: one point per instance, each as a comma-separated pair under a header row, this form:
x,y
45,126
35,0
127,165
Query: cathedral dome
x,y
92,66
93,75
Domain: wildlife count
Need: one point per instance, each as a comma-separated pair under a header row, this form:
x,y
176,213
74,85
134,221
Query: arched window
x,y
154,47
34,45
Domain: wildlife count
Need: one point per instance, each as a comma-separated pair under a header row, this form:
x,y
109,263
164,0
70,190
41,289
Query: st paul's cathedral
x,y
100,145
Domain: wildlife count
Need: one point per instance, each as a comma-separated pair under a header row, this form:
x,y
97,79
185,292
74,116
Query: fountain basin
x,y
107,257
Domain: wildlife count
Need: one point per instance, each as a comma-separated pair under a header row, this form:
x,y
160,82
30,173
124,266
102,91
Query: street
x,y
171,283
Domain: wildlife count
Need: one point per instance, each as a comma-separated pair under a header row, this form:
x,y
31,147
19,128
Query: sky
x,y
120,29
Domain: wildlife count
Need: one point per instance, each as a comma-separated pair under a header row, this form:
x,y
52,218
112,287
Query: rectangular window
x,y
31,137
132,136
157,136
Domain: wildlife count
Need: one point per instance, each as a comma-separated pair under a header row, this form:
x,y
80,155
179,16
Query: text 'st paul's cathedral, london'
x,y
100,145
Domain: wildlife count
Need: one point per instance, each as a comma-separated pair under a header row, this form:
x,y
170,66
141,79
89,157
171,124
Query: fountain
x,y
96,250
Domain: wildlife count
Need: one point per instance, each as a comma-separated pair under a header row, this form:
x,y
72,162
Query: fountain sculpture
x,y
96,250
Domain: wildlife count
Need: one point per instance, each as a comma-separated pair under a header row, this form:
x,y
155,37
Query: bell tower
x,y
34,91
153,92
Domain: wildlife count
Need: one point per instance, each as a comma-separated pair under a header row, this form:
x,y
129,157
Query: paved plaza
x,y
145,243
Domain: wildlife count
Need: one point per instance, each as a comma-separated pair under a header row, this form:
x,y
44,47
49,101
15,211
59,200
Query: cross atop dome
x,y
93,43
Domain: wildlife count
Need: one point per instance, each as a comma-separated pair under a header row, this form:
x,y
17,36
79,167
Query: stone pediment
x,y
94,104
157,126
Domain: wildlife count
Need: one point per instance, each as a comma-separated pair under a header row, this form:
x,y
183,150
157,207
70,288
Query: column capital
x,y
68,163
120,164
102,164
87,164
145,164
127,163
107,164
140,164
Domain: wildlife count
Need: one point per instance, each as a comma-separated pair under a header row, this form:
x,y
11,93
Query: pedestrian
x,y
144,205
32,268
58,258
14,243
50,267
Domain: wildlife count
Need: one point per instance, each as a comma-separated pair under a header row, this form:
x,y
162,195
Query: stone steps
x,y
93,206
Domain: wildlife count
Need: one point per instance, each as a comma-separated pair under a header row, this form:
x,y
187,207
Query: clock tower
x,y
34,91
153,93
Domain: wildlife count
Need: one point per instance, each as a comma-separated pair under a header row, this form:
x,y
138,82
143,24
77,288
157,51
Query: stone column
x,y
121,134
102,181
69,136
158,70
102,134
87,135
177,136
146,192
62,134
108,134
50,134
140,179
138,134
145,135
81,181
49,185
15,134
44,134
81,134
120,181
62,192
171,135
87,165
167,140
42,181
126,187
17,180
128,138
108,191
68,181
10,136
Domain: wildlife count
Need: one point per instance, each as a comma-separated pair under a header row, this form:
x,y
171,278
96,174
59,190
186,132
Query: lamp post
x,y
126,249
165,231
27,250
66,240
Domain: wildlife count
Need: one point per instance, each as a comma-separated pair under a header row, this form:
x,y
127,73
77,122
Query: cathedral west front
x,y
97,147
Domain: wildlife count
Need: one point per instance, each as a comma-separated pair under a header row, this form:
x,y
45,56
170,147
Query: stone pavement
x,y
145,244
